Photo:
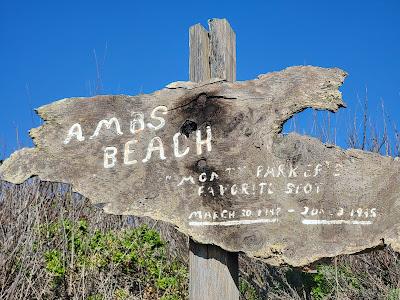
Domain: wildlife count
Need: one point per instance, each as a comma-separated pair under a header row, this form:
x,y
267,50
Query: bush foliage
x,y
56,245
137,253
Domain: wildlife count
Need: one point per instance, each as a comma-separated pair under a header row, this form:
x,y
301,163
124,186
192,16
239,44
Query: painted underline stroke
x,y
275,220
232,222
335,222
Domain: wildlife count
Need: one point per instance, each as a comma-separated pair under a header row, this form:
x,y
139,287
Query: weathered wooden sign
x,y
209,158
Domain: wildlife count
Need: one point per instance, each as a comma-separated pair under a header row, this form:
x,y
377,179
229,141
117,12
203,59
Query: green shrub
x,y
247,290
394,294
327,278
95,297
54,262
138,253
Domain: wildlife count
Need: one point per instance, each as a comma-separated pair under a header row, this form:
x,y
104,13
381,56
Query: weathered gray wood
x,y
199,54
245,119
354,203
214,272
212,54
222,50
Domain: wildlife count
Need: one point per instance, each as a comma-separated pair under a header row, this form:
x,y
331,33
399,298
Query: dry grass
x,y
55,245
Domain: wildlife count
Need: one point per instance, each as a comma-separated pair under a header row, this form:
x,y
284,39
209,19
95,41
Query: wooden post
x,y
214,272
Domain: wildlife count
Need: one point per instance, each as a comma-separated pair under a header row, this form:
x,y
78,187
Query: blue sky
x,y
49,51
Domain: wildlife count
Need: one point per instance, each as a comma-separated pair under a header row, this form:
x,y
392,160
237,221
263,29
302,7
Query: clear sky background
x,y
57,49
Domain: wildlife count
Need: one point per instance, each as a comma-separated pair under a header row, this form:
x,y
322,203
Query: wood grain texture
x,y
199,54
246,119
213,271
222,50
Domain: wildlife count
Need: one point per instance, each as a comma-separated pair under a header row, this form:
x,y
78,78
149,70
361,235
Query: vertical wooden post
x,y
222,50
214,272
199,54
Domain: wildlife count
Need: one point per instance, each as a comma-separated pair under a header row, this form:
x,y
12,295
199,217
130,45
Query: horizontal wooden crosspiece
x,y
209,158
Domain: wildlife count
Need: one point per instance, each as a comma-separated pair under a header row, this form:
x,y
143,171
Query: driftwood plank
x,y
209,158
214,271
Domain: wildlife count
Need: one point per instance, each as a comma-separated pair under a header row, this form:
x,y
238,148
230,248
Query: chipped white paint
x,y
157,147
110,157
200,142
128,151
233,223
178,152
74,131
186,179
164,110
335,222
137,122
108,124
